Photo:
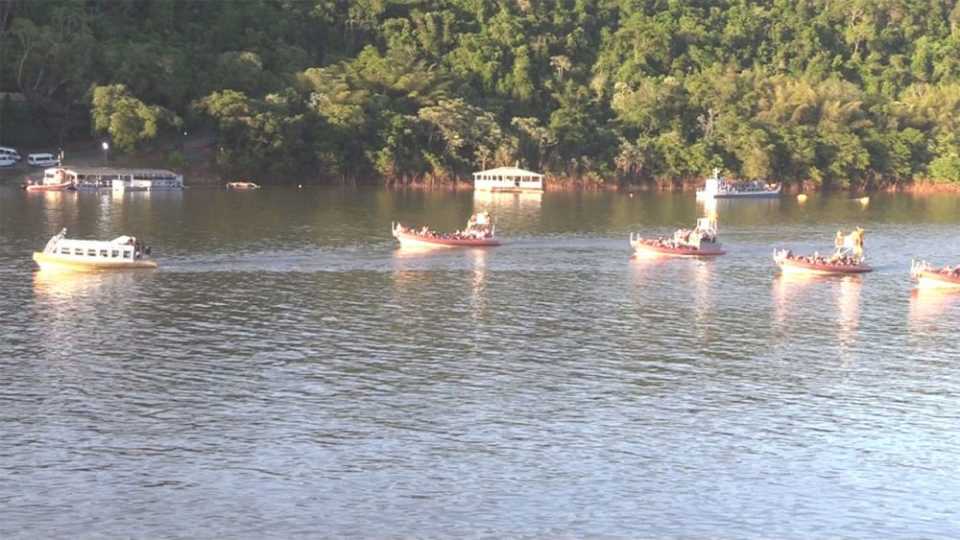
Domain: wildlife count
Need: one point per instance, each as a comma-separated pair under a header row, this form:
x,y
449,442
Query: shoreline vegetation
x,y
595,94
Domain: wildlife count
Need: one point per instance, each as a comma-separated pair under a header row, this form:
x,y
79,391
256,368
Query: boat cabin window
x,y
115,253
127,254
77,251
65,251
103,253
91,252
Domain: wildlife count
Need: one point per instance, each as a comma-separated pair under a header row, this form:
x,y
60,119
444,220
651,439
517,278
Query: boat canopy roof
x,y
508,171
113,171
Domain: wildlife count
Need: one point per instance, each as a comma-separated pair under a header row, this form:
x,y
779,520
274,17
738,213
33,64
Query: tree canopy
x,y
837,93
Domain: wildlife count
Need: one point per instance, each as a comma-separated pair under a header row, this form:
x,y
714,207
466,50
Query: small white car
x,y
8,154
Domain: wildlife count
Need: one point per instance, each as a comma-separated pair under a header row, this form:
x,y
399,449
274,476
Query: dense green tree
x,y
837,93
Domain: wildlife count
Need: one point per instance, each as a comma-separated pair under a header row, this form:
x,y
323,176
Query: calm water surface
x,y
288,371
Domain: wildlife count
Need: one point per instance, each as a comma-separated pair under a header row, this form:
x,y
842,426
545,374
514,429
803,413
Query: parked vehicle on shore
x,y
42,160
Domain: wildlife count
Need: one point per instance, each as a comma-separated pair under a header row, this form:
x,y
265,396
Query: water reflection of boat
x,y
928,304
69,284
791,288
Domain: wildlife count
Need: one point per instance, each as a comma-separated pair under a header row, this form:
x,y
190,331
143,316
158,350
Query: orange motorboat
x,y
702,241
929,277
56,181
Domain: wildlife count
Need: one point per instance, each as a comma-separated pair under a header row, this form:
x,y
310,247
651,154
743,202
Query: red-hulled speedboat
x,y
666,247
478,233
815,264
929,277
847,257
699,242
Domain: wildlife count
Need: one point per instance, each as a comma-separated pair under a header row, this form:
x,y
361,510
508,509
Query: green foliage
x,y
838,93
125,118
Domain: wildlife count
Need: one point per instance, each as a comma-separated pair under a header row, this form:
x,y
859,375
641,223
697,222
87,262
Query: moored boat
x,y
63,186
242,185
122,253
929,277
702,241
847,258
718,187
479,232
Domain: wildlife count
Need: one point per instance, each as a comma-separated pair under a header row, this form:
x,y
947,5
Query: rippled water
x,y
288,371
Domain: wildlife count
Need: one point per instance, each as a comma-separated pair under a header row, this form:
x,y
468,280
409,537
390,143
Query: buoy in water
x,y
864,200
802,198
299,186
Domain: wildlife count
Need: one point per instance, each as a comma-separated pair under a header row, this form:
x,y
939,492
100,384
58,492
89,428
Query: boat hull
x,y
55,262
706,250
49,187
740,195
509,190
927,279
416,241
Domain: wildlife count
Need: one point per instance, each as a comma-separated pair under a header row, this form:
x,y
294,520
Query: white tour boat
x,y
718,187
122,253
507,179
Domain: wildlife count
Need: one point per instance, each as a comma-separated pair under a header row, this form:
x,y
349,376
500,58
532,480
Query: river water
x,y
288,371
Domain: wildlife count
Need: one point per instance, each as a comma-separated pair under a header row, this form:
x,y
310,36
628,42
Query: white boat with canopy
x,y
121,253
507,179
118,179
718,187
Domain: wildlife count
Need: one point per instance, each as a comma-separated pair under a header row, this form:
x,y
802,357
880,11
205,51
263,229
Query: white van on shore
x,y
8,156
41,160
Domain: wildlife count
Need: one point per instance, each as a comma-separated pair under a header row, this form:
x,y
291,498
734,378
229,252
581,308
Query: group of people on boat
x,y
704,232
479,227
848,252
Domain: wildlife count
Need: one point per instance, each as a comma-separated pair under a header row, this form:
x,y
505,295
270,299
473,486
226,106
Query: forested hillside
x,y
832,92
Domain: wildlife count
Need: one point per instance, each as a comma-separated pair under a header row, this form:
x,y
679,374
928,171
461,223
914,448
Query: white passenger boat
x,y
510,179
122,253
717,187
118,179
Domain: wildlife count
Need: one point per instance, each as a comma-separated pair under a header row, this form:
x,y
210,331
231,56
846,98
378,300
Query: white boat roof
x,y
107,171
84,243
508,171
